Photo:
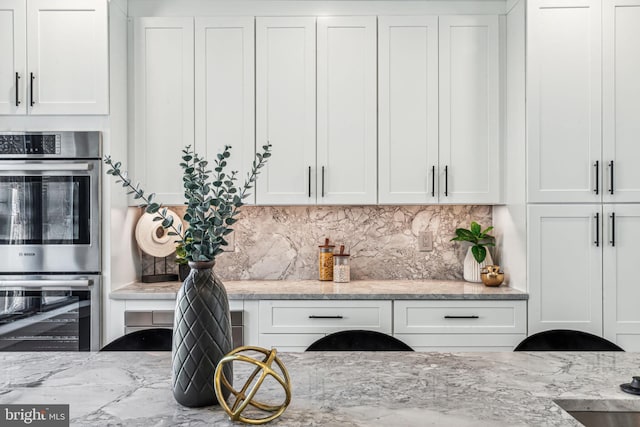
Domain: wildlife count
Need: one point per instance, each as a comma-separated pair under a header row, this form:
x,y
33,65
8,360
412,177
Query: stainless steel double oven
x,y
50,241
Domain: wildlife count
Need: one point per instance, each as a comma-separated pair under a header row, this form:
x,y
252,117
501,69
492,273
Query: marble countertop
x,y
314,289
336,388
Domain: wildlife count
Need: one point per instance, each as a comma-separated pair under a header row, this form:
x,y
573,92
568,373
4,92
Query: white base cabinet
x,y
460,325
621,276
565,268
293,325
583,270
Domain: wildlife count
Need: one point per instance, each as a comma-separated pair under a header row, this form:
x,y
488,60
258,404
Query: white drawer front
x,y
307,317
460,317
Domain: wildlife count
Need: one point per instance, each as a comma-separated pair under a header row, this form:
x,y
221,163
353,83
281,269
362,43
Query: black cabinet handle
x,y
597,166
31,90
613,229
462,317
611,177
323,181
325,317
309,181
597,217
446,181
17,90
433,181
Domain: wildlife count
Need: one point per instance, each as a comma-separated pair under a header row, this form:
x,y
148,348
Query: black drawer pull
x,y
462,317
325,317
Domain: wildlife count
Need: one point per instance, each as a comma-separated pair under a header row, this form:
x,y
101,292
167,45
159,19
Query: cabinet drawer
x,y
463,317
307,317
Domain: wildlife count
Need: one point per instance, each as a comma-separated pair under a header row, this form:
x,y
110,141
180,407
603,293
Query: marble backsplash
x,y
282,242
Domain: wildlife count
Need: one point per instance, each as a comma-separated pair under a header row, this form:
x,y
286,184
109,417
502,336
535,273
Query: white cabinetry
x,y
169,81
460,325
341,167
293,325
61,66
565,268
346,117
13,51
447,151
164,102
620,275
68,56
621,101
286,109
469,110
224,95
583,101
408,109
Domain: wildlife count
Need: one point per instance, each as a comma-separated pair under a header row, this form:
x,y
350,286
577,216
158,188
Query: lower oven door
x,y
50,313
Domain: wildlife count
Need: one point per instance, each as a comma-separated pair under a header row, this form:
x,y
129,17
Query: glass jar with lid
x,y
341,267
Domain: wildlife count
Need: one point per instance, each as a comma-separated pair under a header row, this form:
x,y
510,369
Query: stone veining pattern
x,y
335,388
282,242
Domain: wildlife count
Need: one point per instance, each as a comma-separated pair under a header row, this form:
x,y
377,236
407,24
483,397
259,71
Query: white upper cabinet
x,y
470,162
565,267
621,101
564,101
13,65
346,88
408,109
224,95
68,57
620,263
164,115
55,57
286,109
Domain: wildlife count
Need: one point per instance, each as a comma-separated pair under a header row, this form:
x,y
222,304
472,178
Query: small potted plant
x,y
477,255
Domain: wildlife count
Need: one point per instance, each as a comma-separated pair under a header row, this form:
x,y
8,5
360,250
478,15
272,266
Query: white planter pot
x,y
472,269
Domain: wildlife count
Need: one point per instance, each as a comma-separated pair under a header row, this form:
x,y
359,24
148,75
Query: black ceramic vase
x,y
201,336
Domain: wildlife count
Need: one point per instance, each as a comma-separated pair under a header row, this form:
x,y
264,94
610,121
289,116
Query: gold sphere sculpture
x,y
243,398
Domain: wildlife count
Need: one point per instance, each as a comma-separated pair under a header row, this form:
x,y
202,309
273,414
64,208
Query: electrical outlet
x,y
425,241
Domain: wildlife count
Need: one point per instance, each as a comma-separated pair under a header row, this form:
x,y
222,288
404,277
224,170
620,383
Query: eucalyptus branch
x,y
148,205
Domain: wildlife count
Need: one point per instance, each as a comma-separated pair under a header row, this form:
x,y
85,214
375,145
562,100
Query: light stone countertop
x,y
315,289
336,388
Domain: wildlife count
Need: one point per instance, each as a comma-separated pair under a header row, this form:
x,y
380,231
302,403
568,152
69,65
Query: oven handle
x,y
73,283
17,167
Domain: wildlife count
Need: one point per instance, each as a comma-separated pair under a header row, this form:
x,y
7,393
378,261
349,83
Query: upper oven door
x,y
49,216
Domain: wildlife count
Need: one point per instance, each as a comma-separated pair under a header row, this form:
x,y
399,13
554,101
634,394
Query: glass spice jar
x,y
325,261
341,267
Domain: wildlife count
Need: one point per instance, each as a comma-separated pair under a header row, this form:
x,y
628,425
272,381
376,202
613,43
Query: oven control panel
x,y
30,144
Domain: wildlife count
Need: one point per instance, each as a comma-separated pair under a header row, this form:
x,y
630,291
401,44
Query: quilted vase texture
x,y
201,336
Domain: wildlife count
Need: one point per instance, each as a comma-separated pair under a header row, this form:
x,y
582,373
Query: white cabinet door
x,y
407,109
621,289
68,56
469,110
224,94
13,66
347,110
286,109
163,120
564,101
621,100
565,268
